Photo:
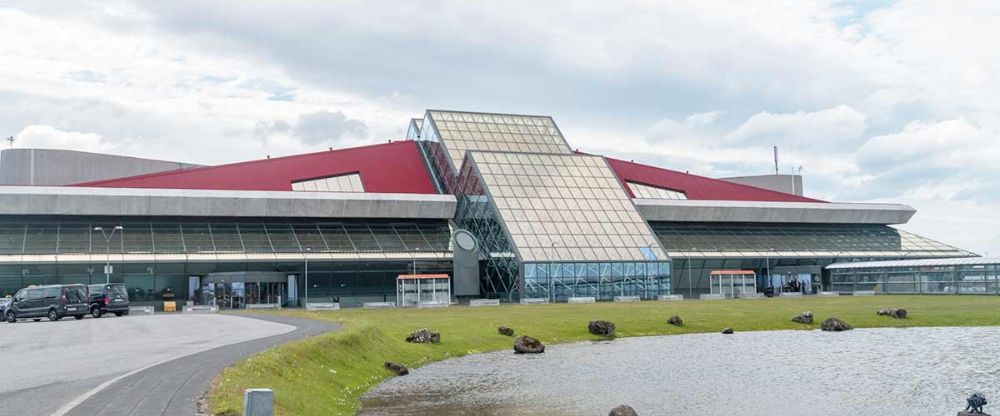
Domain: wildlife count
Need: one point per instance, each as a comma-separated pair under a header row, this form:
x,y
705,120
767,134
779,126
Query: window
x,y
654,192
341,183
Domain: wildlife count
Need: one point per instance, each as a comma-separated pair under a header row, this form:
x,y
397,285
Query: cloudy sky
x,y
875,100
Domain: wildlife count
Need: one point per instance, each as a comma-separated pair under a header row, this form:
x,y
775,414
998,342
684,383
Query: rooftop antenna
x,y
775,160
11,141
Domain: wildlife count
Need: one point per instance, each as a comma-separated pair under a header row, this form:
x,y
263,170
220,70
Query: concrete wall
x,y
65,167
789,184
780,212
71,200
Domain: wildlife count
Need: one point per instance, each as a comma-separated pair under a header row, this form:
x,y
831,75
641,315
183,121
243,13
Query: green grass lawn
x,y
327,374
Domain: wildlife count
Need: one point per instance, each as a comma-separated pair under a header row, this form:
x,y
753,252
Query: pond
x,y
912,371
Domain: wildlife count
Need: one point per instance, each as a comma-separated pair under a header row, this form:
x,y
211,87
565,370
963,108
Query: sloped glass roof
x,y
464,131
565,208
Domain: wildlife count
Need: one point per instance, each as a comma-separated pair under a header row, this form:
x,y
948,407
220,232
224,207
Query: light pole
x,y
417,252
308,250
107,241
690,287
552,287
767,266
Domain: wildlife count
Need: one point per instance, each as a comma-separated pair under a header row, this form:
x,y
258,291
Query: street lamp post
x,y
690,287
767,266
306,303
107,241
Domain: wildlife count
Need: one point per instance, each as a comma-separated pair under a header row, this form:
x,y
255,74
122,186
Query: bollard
x,y
258,402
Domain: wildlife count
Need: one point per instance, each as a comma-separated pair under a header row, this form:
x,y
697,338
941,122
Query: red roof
x,y
696,187
395,167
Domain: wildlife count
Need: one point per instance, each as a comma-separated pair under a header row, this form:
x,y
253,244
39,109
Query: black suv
x,y
108,298
54,302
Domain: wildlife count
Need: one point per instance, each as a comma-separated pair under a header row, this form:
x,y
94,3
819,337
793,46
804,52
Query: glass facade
x,y
560,281
759,240
558,226
560,208
152,254
191,235
964,276
446,136
353,282
462,131
500,268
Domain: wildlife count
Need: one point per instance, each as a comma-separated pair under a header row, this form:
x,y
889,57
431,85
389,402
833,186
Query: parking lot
x,y
46,365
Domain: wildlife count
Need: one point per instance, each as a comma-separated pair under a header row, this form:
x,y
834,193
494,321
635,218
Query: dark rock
x,y
835,325
505,331
603,328
727,331
623,410
675,320
528,345
399,369
975,404
803,318
424,336
897,313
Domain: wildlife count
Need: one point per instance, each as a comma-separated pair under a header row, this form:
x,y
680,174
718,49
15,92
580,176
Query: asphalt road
x,y
140,365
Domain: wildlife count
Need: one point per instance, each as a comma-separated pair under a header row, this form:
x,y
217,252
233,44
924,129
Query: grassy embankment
x,y
327,374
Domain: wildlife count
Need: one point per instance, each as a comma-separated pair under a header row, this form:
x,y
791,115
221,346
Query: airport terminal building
x,y
500,202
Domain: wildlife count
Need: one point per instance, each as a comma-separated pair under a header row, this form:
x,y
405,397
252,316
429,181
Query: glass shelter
x,y
733,283
423,290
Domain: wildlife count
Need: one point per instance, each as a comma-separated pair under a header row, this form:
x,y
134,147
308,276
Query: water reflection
x,y
914,371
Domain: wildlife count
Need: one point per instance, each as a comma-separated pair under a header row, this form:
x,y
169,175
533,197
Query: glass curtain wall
x,y
943,279
500,269
561,281
352,282
76,235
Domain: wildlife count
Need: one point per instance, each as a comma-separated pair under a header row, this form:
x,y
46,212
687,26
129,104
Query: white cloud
x,y
48,137
894,103
824,129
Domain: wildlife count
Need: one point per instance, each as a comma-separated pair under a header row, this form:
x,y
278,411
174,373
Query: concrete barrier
x,y
670,297
141,310
378,305
827,294
534,301
627,298
475,303
864,293
754,295
313,306
258,402
439,304
201,309
582,299
259,306
712,296
791,294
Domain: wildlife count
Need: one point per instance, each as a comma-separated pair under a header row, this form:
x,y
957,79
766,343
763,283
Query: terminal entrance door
x,y
236,290
265,292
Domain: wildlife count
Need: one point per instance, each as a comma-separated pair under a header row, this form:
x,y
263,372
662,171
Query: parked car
x,y
108,298
54,302
3,304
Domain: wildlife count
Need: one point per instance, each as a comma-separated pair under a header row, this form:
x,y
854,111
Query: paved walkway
x,y
143,365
